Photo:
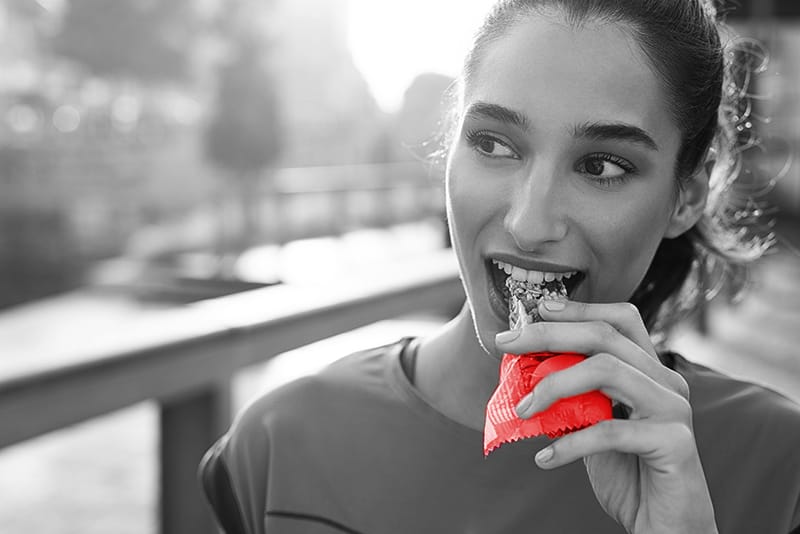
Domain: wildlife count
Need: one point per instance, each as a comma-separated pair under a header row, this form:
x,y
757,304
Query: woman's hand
x,y
645,470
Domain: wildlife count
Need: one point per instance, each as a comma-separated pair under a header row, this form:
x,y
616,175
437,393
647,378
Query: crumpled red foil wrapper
x,y
518,375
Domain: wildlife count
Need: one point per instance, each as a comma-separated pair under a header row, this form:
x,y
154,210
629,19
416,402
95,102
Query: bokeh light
x,y
66,119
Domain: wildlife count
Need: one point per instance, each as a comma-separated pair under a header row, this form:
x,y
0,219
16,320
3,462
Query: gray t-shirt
x,y
355,448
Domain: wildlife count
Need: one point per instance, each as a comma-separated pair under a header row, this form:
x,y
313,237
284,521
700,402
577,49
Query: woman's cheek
x,y
477,192
629,247
463,200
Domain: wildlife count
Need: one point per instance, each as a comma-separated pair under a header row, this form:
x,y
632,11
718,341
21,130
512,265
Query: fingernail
x,y
505,337
554,305
524,405
544,455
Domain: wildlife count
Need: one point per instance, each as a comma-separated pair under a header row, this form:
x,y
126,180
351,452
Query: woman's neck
x,y
454,374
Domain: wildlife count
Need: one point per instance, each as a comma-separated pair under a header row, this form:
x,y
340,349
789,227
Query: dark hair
x,y
697,61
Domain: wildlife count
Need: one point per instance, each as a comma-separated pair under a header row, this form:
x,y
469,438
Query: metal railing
x,y
185,359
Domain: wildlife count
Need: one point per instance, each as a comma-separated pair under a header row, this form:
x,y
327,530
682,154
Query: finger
x,y
658,443
623,316
615,378
590,338
626,319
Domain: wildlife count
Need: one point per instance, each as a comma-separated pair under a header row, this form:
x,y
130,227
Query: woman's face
x,y
563,161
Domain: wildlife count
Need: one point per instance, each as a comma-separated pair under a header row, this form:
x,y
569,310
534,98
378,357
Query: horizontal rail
x,y
340,190
181,352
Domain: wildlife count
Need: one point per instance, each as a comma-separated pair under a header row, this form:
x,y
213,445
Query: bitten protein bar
x,y
520,373
523,301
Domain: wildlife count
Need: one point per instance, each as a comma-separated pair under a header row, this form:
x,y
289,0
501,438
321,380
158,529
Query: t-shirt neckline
x,y
403,359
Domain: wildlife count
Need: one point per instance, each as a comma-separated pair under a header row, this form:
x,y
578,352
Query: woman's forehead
x,y
556,74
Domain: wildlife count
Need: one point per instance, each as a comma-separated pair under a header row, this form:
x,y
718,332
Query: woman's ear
x,y
690,203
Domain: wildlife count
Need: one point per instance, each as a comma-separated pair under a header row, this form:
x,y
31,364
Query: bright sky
x,y
394,40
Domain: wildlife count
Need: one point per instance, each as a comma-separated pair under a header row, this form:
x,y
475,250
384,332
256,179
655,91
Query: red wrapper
x,y
518,375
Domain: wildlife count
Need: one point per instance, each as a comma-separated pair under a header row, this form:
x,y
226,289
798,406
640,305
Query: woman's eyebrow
x,y
498,113
614,131
598,131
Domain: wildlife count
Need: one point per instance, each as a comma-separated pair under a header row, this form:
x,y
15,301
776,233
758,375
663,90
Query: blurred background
x,y
156,154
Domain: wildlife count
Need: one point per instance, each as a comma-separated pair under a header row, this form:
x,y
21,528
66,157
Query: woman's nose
x,y
536,214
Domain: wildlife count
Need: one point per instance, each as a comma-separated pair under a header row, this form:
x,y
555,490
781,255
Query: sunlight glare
x,y
393,42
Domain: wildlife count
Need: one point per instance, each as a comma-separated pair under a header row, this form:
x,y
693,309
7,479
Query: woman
x,y
592,143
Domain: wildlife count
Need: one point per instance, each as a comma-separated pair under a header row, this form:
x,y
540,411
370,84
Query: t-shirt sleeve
x,y
796,516
215,480
234,474
748,437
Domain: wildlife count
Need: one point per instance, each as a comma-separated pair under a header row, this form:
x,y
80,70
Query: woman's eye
x,y
598,167
605,168
490,146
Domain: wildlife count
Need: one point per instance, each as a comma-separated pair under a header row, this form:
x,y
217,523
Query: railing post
x,y
189,425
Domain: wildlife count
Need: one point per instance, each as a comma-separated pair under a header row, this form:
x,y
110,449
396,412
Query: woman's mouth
x,y
500,271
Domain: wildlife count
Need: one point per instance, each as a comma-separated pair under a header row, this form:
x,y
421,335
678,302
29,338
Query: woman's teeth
x,y
534,277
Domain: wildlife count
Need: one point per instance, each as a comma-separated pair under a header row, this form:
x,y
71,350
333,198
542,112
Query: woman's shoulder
x,y
349,380
714,392
748,437
741,413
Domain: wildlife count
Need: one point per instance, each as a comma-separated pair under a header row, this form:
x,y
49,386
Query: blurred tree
x,y
244,134
145,40
330,114
419,122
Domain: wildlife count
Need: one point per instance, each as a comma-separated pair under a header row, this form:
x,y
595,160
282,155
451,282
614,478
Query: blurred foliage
x,y
244,134
148,40
243,137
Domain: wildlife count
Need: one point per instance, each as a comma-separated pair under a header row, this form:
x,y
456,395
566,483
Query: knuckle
x,y
582,308
683,438
679,384
545,339
632,311
632,314
604,331
610,430
684,409
535,330
606,363
528,329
